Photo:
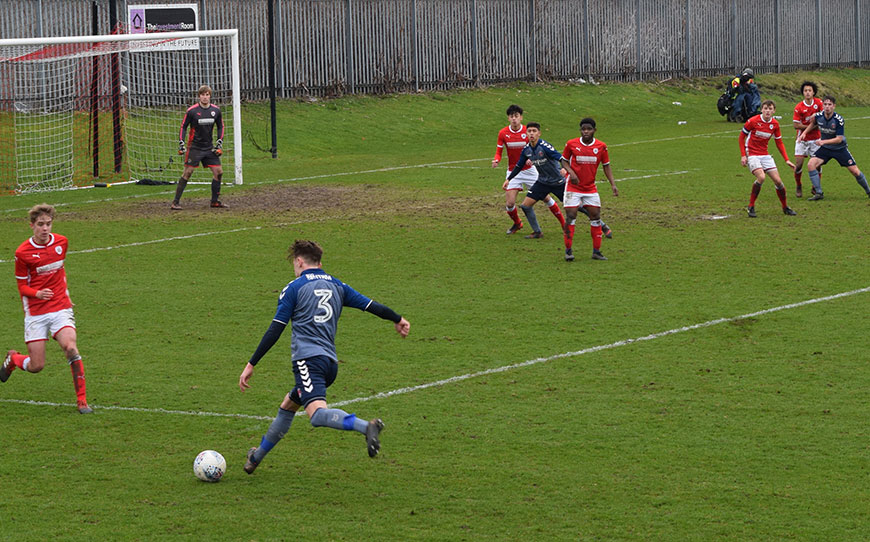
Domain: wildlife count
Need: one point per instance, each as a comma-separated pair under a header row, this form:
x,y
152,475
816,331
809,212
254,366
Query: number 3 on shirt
x,y
323,297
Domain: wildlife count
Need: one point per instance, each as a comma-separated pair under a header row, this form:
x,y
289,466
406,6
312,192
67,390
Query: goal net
x,y
82,110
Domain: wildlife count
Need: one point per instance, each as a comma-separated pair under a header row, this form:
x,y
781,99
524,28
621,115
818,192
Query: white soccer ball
x,y
209,466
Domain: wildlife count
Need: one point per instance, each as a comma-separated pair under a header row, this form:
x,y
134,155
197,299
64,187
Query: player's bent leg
x,y
35,361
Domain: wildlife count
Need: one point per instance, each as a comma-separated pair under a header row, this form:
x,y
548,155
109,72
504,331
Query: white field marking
x,y
667,174
136,409
154,241
599,348
460,378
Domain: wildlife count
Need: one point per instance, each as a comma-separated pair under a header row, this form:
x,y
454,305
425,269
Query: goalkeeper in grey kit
x,y
202,117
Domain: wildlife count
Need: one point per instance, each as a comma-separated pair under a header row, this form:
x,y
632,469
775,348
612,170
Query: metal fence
x,y
327,47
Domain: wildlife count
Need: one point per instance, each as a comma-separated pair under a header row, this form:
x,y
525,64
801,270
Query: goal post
x,y
82,110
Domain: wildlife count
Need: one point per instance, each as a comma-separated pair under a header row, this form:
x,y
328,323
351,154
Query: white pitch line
x,y
137,409
460,378
154,241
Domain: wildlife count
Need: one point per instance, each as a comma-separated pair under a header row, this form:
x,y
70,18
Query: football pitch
x,y
708,382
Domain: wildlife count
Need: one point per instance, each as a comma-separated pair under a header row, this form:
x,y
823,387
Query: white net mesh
x,y
73,114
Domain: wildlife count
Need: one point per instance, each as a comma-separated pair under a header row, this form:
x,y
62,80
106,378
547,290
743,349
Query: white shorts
x,y
764,162
524,180
580,199
805,148
46,326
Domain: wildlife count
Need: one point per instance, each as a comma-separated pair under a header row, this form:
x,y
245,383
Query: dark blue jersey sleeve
x,y
286,304
354,299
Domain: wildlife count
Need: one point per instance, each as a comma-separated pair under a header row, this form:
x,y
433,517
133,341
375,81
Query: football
x,y
209,466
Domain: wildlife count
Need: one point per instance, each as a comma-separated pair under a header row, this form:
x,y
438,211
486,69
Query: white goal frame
x,y
233,34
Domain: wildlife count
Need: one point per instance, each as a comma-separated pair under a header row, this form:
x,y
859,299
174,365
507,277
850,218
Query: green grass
x,y
753,428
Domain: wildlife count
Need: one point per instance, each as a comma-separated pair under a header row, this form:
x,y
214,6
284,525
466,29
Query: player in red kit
x,y
584,154
513,137
754,139
804,112
47,307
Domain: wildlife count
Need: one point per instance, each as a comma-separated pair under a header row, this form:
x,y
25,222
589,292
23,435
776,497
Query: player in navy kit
x,y
313,304
551,179
832,144
202,117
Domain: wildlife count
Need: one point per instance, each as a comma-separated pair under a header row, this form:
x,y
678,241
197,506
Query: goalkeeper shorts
x,y
207,157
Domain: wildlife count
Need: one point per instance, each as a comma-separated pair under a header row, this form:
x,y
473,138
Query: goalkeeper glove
x,y
181,148
219,147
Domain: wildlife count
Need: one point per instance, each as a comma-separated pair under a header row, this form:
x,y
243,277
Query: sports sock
x,y
531,217
277,429
862,180
780,193
756,188
179,189
338,419
554,208
78,375
512,212
595,231
569,235
816,179
215,190
21,361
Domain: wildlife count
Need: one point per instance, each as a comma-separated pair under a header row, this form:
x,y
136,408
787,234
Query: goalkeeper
x,y
202,117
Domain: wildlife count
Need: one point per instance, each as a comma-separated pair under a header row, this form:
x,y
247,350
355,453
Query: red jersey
x,y
38,267
584,161
756,134
514,141
804,113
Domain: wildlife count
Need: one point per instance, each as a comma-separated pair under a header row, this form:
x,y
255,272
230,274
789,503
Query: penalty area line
x,y
468,376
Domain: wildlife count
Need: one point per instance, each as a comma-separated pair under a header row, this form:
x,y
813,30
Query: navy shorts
x,y
539,191
313,376
843,156
207,157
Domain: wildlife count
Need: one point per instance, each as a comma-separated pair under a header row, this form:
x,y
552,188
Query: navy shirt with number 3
x,y
313,304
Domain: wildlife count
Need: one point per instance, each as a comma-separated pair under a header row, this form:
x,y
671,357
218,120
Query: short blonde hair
x,y
41,209
205,89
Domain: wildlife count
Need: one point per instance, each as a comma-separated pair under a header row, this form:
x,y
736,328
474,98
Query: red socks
x,y
18,360
513,214
569,237
756,188
557,213
596,236
780,192
78,375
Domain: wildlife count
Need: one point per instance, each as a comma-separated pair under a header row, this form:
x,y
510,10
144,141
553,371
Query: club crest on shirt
x,y
212,113
594,151
523,135
58,249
